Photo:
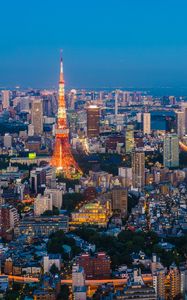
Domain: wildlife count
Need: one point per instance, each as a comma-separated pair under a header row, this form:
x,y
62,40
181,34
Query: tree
x,y
54,270
64,293
50,213
56,242
47,213
70,201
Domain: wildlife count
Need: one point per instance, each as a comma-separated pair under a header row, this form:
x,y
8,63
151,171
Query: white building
x,y
49,260
37,116
126,174
78,276
56,195
41,204
5,99
180,123
139,117
78,283
7,140
14,217
146,123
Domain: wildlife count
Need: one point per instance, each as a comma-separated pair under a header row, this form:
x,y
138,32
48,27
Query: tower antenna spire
x,y
61,61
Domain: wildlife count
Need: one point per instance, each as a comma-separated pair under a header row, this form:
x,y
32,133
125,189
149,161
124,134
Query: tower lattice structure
x,y
62,158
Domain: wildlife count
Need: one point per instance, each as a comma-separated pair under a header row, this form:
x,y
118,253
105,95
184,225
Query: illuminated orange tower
x,y
62,158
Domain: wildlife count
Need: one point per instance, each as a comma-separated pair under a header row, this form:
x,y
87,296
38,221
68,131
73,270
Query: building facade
x,y
138,169
93,117
171,151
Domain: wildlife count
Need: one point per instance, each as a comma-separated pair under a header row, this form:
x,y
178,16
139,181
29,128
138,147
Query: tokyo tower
x,y
62,158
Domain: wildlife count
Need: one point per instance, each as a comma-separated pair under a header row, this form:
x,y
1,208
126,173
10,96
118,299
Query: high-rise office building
x,y
146,123
184,110
47,105
138,168
37,116
37,180
116,103
72,97
171,151
129,138
180,117
93,116
120,200
5,99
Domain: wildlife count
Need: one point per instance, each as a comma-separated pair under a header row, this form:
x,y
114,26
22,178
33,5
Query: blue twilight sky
x,y
106,43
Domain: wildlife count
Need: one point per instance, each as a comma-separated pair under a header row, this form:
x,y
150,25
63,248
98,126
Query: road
x,y
69,281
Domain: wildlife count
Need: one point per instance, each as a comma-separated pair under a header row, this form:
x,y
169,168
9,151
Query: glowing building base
x,y
64,161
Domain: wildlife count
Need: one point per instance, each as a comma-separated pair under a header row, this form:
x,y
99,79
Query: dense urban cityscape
x,y
93,197
93,150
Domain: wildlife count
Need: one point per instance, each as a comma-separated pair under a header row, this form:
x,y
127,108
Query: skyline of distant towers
x,y
62,158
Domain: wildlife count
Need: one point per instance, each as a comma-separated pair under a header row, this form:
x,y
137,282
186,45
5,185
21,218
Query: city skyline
x,y
93,150
131,44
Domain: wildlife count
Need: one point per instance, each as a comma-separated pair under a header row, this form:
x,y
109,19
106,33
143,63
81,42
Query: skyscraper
x,y
93,116
184,110
56,195
72,98
5,99
62,158
171,151
146,123
37,116
37,180
42,204
116,103
138,168
129,138
119,200
180,116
